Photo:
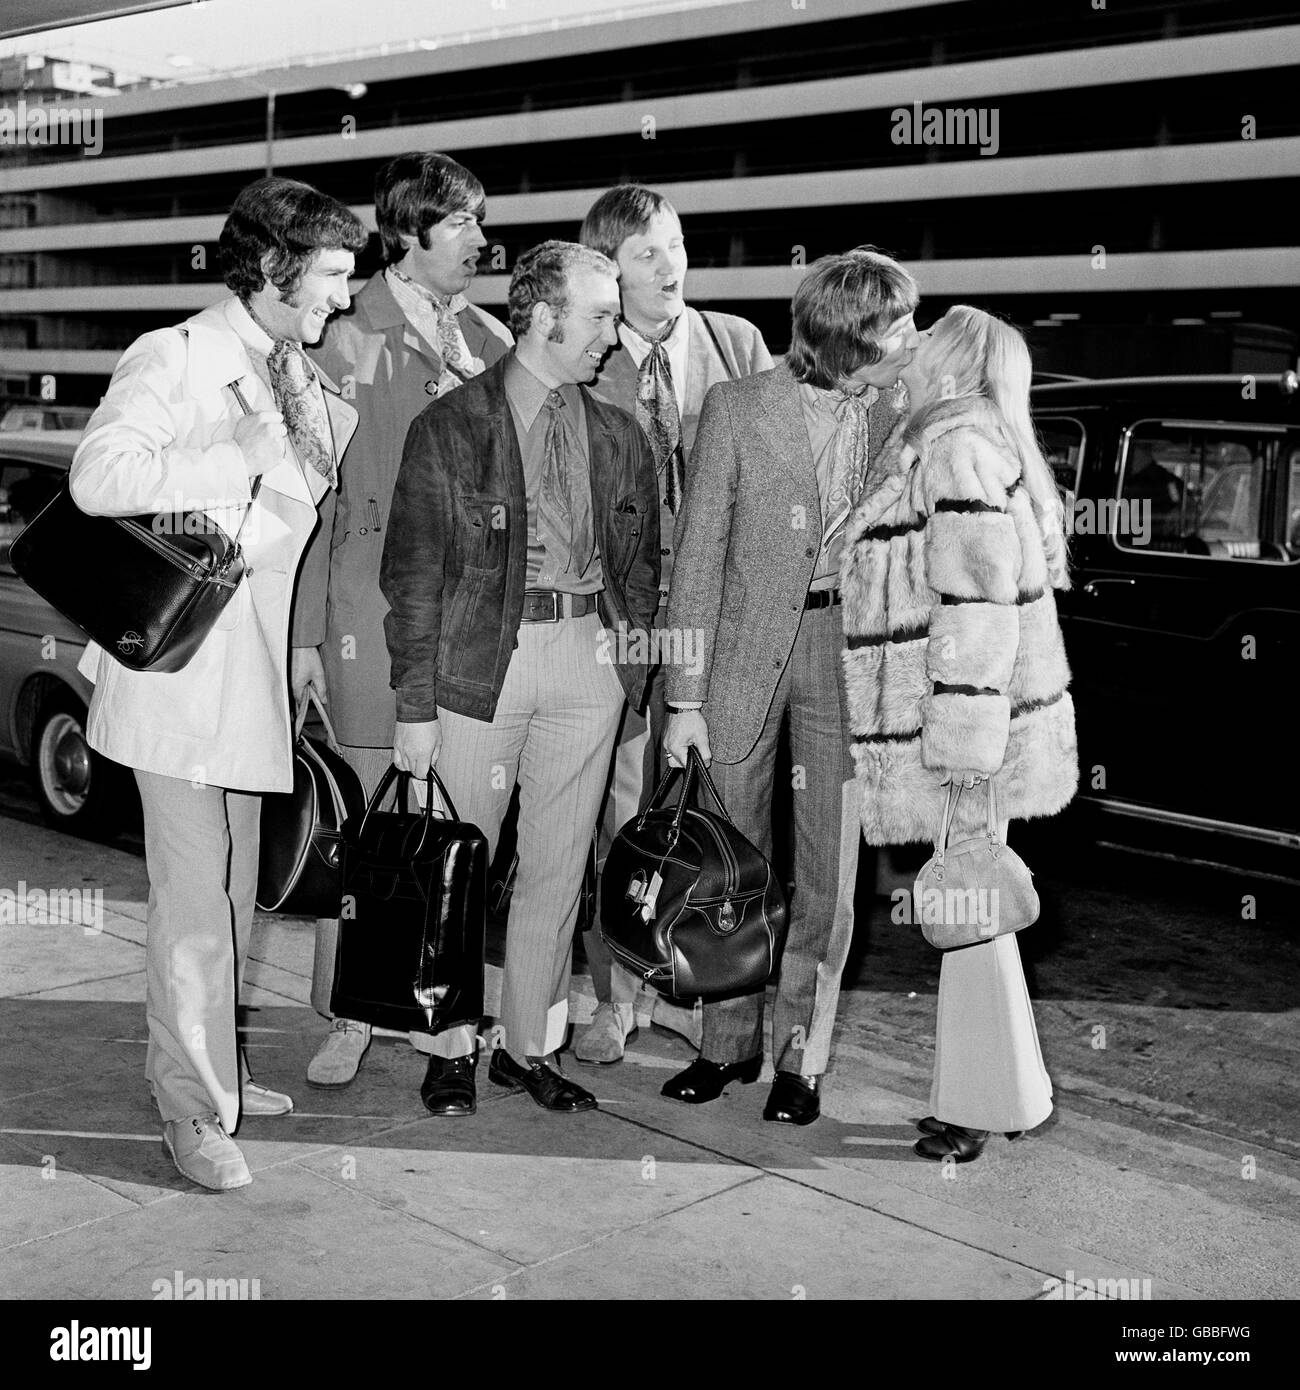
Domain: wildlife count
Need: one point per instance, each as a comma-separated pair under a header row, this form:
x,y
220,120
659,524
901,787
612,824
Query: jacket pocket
x,y
625,525
480,527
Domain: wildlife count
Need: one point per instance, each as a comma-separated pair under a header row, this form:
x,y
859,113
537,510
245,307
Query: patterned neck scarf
x,y
656,412
438,325
852,447
293,382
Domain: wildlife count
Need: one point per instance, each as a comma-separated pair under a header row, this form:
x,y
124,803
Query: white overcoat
x,y
162,441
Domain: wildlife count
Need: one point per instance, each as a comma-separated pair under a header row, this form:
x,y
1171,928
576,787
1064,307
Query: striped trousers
x,y
553,733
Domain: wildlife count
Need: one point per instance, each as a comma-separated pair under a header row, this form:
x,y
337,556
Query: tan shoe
x,y
261,1100
203,1152
608,1030
685,1020
338,1057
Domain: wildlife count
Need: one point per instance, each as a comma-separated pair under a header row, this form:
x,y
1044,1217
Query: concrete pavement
x,y
361,1194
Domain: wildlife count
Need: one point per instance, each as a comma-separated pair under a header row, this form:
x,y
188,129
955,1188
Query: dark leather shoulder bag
x,y
687,902
148,589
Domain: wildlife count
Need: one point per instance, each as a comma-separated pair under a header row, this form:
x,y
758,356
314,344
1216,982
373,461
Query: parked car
x,y
1184,618
43,698
24,416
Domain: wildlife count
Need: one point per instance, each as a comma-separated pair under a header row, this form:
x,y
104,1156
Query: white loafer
x,y
203,1152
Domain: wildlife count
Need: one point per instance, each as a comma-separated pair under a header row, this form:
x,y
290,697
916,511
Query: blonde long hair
x,y
974,354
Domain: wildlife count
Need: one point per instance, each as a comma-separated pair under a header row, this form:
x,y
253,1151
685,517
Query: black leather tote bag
x,y
411,928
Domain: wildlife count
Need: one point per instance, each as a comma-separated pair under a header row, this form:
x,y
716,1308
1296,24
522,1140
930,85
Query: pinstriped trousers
x,y
553,733
827,836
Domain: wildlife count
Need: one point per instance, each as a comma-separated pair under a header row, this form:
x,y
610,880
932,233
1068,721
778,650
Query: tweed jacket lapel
x,y
782,429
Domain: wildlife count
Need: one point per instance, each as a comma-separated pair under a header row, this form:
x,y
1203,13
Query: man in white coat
x,y
194,417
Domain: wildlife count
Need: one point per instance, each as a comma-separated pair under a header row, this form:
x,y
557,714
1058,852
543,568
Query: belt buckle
x,y
539,594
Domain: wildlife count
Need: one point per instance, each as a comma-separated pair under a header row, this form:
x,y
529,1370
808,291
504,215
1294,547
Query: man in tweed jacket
x,y
780,460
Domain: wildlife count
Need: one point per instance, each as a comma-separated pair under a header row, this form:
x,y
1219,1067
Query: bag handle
x,y
955,790
694,769
432,782
311,698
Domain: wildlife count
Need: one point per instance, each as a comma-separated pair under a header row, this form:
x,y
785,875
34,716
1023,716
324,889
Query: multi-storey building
x,y
1115,177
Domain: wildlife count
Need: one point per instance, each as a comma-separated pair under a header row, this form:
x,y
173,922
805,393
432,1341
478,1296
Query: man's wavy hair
x,y
620,212
541,276
415,191
840,312
291,222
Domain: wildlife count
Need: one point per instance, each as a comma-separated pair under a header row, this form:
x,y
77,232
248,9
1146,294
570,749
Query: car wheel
x,y
74,785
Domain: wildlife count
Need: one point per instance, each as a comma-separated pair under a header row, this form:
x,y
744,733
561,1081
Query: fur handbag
x,y
974,890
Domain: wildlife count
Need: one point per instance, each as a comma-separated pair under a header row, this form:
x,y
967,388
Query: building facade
x,y
1117,179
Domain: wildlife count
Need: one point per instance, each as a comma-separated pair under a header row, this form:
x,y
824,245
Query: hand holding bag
x,y
411,930
974,890
687,902
300,855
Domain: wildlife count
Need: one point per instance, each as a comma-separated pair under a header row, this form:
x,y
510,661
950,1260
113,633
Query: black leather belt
x,y
822,598
550,605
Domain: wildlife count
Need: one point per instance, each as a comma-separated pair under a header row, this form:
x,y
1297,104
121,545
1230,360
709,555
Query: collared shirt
x,y
676,344
527,398
821,421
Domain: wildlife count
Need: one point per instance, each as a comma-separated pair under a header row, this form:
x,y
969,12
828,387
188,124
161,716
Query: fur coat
x,y
953,654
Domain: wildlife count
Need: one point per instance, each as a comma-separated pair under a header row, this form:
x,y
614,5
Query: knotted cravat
x,y
656,413
849,457
564,503
439,325
292,383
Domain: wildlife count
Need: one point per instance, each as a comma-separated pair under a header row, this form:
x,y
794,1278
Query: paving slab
x,y
298,1235
528,1184
772,1239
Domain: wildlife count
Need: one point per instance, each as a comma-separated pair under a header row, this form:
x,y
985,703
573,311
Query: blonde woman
x,y
956,672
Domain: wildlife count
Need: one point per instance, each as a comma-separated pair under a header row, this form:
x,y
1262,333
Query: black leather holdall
x,y
300,857
687,902
411,928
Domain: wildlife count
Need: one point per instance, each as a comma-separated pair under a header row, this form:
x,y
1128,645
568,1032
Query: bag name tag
x,y
645,894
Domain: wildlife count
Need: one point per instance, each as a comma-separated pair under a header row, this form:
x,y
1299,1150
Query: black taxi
x,y
1183,624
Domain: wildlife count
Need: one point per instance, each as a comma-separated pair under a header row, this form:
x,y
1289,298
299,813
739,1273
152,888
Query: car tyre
x,y
79,791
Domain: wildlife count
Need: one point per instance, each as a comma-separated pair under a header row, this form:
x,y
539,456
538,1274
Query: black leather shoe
x,y
448,1087
793,1099
930,1125
546,1086
703,1080
961,1145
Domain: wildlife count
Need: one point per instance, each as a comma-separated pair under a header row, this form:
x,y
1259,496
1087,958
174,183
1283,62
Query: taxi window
x,y
1062,444
1200,489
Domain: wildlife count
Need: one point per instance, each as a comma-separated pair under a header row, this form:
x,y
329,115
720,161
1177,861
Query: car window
x,y
1062,441
1199,489
24,489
